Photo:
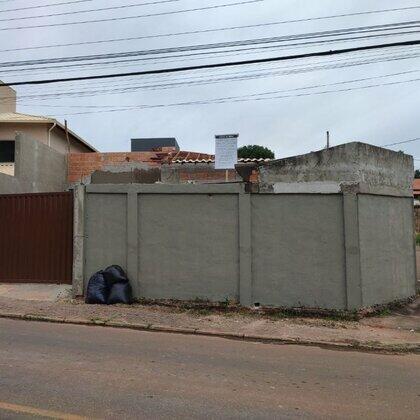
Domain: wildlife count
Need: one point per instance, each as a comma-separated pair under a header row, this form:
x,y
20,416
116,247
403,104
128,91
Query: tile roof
x,y
192,157
416,185
184,156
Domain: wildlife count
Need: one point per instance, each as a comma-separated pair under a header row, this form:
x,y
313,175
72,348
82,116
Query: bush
x,y
255,152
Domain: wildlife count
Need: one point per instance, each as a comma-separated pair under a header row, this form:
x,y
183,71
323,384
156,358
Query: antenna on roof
x,y
328,140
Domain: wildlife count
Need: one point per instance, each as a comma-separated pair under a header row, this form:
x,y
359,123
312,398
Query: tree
x,y
255,152
417,173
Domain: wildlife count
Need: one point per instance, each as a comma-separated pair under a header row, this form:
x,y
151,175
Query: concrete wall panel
x,y
38,168
298,250
105,231
215,242
188,246
386,248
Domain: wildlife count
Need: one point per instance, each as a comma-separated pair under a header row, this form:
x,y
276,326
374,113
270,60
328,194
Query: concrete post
x,y
78,239
352,250
245,250
132,238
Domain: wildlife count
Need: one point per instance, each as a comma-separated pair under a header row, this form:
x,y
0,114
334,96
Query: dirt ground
x,y
399,328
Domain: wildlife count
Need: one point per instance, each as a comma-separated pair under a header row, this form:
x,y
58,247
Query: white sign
x,y
226,151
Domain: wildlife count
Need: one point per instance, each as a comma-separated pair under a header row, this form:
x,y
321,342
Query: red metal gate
x,y
36,238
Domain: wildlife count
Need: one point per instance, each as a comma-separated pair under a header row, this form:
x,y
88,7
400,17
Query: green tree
x,y
417,173
255,152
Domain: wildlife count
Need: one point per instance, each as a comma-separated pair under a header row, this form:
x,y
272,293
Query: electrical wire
x,y
43,5
244,74
271,92
229,28
195,56
131,88
173,12
157,60
75,12
221,64
401,142
219,45
397,25
230,100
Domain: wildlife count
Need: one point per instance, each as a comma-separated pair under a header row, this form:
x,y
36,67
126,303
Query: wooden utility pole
x,y
67,135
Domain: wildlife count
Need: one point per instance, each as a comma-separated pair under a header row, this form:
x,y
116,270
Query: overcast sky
x,y
289,126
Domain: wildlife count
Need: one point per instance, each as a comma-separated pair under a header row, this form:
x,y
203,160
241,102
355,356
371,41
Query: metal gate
x,y
36,238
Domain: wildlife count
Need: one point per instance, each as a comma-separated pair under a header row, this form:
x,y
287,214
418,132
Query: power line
x,y
401,142
237,75
189,57
239,3
230,100
253,94
43,5
373,28
278,71
228,28
219,45
134,62
75,12
219,65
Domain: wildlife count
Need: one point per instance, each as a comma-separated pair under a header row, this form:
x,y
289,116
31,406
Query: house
x,y
34,149
45,130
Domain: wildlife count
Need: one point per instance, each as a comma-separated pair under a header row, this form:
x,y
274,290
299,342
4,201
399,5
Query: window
x,y
7,151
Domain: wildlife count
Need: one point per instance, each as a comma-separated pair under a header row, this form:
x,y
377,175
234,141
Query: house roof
x,y
184,156
193,157
15,117
416,186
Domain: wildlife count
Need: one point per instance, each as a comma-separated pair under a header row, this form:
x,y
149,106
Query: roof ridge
x,y
28,115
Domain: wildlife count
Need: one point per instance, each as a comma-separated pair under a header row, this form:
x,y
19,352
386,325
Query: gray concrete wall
x,y
298,256
387,253
38,168
364,164
193,253
105,231
340,250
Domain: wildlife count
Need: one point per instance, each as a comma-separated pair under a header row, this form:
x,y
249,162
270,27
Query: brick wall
x,y
84,164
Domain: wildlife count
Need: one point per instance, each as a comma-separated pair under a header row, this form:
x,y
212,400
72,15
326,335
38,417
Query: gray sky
x,y
289,126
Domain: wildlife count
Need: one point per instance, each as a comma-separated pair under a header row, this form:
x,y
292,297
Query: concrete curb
x,y
402,348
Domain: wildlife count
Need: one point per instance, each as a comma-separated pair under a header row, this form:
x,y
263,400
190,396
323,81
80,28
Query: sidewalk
x,y
397,332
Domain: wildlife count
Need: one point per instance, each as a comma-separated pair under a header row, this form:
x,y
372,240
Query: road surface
x,y
74,372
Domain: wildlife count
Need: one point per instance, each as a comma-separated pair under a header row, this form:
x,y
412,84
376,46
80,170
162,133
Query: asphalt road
x,y
60,371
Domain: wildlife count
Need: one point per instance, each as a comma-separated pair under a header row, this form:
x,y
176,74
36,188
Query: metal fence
x,y
36,238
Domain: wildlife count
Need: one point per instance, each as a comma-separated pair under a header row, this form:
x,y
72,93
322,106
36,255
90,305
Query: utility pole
x,y
67,135
328,140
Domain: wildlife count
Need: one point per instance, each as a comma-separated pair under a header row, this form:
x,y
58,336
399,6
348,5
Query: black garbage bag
x,y
121,293
115,274
98,289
